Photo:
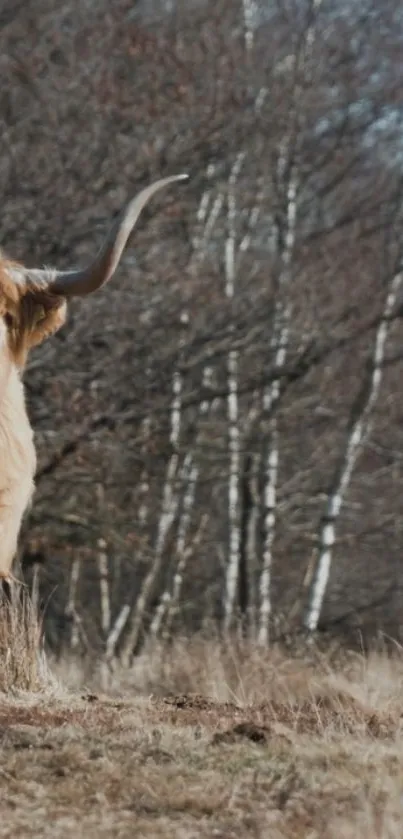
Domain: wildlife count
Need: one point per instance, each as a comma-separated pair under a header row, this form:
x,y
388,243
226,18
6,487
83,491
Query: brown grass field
x,y
201,741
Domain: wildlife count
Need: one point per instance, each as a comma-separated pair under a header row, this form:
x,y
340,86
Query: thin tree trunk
x,y
360,425
234,537
104,588
251,541
288,182
71,603
250,10
143,510
181,546
116,632
189,476
281,328
169,601
169,509
170,501
206,218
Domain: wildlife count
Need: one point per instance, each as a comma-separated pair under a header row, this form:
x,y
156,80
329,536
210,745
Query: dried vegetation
x,y
228,742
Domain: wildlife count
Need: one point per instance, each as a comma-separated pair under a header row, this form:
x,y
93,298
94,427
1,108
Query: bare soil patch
x,y
337,712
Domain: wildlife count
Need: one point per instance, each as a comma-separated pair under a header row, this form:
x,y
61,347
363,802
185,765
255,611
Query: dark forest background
x,y
220,429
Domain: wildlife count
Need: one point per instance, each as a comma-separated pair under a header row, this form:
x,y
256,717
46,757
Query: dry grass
x,y
233,743
22,663
235,671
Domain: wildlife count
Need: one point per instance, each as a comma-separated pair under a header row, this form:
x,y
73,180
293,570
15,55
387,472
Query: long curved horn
x,y
86,280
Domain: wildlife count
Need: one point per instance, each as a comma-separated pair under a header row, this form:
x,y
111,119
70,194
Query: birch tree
x,y
169,602
279,344
250,12
234,536
287,181
358,432
71,609
169,507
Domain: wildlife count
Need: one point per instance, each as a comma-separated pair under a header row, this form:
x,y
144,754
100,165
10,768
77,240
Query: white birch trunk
x,y
359,431
251,537
250,11
116,632
234,536
104,665
281,329
104,588
207,216
170,502
71,603
184,520
170,598
181,547
212,219
143,510
169,509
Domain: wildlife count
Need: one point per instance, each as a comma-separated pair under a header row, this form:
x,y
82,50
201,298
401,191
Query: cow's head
x,y
33,301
